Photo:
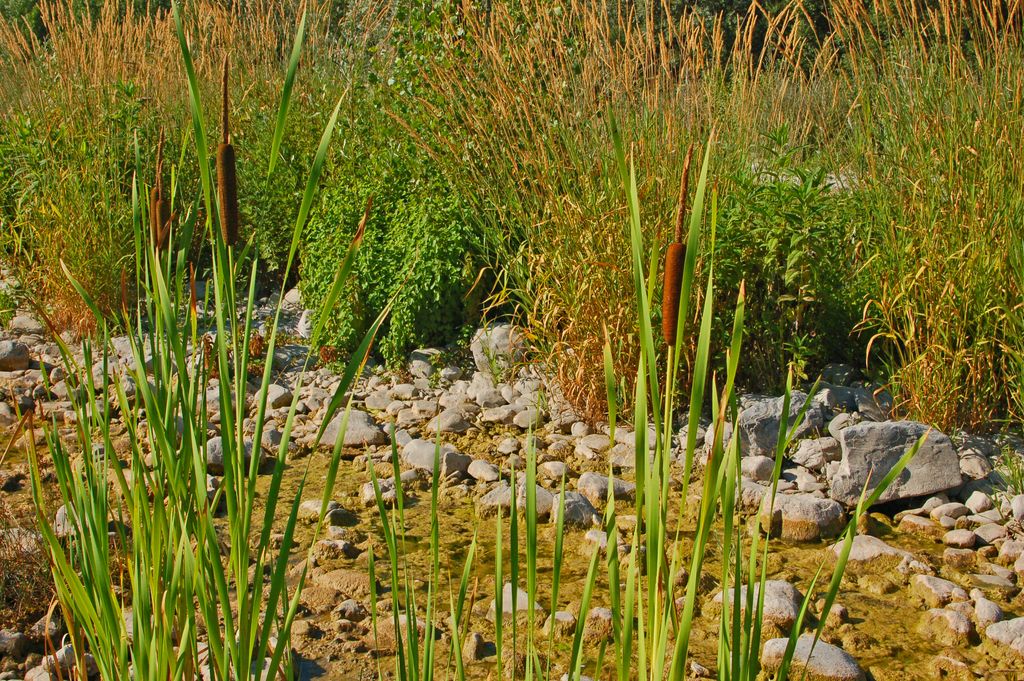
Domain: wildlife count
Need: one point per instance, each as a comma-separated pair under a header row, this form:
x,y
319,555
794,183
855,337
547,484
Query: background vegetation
x,y
867,159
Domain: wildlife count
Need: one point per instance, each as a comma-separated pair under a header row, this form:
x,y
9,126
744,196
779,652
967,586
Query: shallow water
x,y
882,632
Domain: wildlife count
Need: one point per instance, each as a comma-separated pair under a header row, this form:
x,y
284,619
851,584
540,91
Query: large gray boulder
x,y
759,420
871,448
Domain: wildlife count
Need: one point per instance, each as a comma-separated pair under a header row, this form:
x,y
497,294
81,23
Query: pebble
x,y
510,606
782,602
953,509
978,502
960,539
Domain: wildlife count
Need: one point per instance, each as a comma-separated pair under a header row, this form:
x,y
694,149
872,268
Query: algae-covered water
x,y
883,629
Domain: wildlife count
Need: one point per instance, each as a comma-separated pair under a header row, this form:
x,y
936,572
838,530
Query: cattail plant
x,y
227,180
675,261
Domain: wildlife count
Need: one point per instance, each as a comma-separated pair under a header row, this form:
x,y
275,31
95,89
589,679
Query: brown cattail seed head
x,y
675,260
227,193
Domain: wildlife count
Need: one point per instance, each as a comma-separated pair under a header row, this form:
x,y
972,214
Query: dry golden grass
x,y
527,104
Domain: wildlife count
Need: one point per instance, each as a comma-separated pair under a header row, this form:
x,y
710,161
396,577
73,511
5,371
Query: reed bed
x,y
159,575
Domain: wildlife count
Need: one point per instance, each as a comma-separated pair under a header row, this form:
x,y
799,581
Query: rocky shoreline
x,y
960,584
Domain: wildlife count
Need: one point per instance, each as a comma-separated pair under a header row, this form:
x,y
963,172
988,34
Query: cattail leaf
x,y
286,95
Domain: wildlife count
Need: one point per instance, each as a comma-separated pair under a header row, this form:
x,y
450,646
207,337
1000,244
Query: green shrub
x,y
415,218
787,232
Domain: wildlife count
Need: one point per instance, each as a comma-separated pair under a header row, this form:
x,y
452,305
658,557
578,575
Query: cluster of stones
x,y
844,441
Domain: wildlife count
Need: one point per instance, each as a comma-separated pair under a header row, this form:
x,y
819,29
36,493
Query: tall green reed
x,y
172,591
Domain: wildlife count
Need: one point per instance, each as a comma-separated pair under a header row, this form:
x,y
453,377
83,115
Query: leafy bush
x,y
786,231
415,219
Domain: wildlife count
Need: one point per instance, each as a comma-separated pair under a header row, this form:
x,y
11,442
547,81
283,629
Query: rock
x,y
13,644
758,468
1009,633
278,396
495,349
990,533
40,673
936,592
553,470
979,502
530,418
960,559
948,627
483,471
421,454
215,455
974,467
952,510
826,663
475,648
1011,550
422,362
13,356
579,512
63,661
815,453
27,325
947,667
1017,508
560,623
594,487
501,497
352,583
916,524
801,517
510,606
986,613
351,610
388,492
841,422
960,539
872,448
872,551
598,625
334,549
448,421
362,431
758,423
782,602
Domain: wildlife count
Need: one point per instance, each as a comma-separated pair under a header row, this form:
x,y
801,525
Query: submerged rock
x,y
801,517
512,606
594,487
